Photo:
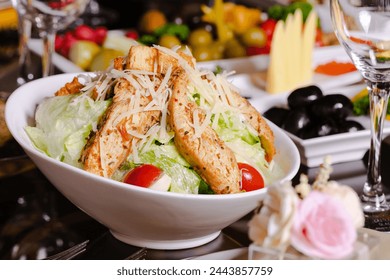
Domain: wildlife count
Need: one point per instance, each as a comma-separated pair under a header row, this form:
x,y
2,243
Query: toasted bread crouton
x,y
153,60
119,63
207,154
70,88
142,57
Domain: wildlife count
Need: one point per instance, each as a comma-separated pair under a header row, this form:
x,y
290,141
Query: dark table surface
x,y
36,220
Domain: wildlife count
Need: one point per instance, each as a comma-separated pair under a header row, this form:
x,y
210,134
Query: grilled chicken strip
x,y
111,145
207,154
254,118
153,60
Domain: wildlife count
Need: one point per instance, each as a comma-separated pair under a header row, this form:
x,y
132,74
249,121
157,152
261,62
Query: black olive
x,y
276,115
350,126
332,106
319,129
303,96
296,120
308,132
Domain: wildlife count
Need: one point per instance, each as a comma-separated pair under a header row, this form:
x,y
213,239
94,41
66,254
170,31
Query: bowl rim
x,y
30,149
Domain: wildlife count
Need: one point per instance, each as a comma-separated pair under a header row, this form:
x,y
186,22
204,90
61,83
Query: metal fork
x,y
80,248
139,255
70,253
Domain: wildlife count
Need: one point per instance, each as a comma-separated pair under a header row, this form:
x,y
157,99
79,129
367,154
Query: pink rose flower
x,y
323,228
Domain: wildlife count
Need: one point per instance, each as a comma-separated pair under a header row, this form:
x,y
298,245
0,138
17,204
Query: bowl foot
x,y
165,244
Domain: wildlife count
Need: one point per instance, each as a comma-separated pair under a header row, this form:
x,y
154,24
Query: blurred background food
x,y
8,32
13,159
5,135
210,29
361,104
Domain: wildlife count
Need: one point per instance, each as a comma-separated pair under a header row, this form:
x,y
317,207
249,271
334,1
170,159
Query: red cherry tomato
x,y
59,5
100,34
257,50
84,32
68,41
144,175
269,27
59,42
318,41
251,179
132,34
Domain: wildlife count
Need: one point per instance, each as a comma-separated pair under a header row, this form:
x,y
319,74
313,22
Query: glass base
x,y
362,250
376,212
379,220
375,204
373,197
256,252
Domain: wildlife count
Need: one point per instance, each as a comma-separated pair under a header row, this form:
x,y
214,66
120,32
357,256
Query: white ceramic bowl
x,y
135,215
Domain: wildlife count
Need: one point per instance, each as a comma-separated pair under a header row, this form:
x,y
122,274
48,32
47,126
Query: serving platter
x,y
250,75
59,61
341,147
252,85
243,65
248,64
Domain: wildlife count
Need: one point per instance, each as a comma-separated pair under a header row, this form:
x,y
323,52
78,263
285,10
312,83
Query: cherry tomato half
x,y
251,178
144,175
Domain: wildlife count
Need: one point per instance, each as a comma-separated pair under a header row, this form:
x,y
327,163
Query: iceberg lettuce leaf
x,y
63,124
166,157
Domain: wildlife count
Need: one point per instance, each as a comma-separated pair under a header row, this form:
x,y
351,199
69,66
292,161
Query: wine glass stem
x,y
48,37
25,71
373,192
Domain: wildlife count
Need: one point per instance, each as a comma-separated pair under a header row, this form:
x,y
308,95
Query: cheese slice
x,y
291,54
308,40
276,75
295,47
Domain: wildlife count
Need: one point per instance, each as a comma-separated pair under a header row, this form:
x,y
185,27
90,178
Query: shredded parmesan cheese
x,y
151,91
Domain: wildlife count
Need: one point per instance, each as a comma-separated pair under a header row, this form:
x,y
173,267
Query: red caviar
x,y
334,68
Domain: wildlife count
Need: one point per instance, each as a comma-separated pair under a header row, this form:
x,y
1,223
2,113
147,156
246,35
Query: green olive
x,y
254,37
200,37
233,48
217,49
169,41
203,53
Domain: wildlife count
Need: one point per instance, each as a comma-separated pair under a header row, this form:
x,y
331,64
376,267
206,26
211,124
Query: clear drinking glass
x,y
25,73
363,28
49,16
